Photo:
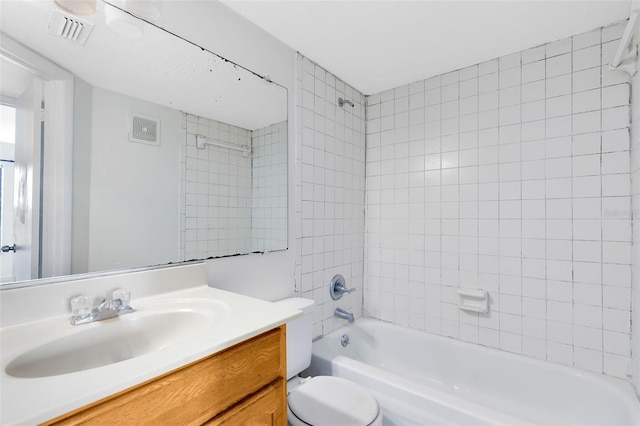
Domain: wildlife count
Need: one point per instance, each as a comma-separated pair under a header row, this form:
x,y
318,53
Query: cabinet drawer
x,y
195,393
265,408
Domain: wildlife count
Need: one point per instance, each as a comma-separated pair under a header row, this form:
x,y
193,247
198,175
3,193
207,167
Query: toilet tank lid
x,y
305,305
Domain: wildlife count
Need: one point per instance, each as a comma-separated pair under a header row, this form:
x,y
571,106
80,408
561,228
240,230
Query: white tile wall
x,y
215,191
330,163
511,176
269,188
635,212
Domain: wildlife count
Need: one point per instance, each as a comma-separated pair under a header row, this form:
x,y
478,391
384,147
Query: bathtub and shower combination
x,y
424,379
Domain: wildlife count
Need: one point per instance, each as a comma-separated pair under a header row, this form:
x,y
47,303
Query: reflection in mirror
x,y
153,149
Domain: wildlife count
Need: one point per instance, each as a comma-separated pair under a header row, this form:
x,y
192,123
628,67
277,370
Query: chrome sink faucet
x,y
84,311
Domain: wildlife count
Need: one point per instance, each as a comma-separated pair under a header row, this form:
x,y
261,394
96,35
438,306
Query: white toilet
x,y
321,400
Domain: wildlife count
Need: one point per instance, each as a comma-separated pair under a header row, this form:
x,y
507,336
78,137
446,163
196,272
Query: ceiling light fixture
x,y
78,7
145,9
123,23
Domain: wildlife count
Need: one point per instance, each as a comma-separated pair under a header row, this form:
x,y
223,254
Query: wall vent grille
x,y
144,129
68,27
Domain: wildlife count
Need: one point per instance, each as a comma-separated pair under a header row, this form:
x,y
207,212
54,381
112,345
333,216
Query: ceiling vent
x,y
71,28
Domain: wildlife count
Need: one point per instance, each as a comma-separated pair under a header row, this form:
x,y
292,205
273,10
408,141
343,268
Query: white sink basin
x,y
150,328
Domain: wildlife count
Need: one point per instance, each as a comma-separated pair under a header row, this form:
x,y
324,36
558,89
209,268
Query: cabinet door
x,y
268,407
195,393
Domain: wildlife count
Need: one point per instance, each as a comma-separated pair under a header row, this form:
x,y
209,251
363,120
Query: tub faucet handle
x,y
337,287
343,289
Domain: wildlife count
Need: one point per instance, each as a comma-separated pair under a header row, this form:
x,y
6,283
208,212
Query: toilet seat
x,y
327,400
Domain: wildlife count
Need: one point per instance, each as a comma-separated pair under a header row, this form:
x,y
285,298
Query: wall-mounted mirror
x,y
151,149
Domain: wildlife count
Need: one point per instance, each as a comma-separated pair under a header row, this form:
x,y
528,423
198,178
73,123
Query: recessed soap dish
x,y
474,300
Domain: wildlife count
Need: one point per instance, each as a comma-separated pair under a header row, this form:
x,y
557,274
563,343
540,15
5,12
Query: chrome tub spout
x,y
341,313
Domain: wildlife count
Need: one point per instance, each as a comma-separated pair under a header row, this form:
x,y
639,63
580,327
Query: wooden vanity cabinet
x,y
242,385
262,408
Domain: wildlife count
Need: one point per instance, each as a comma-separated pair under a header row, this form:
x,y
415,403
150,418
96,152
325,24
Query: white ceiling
x,y
380,45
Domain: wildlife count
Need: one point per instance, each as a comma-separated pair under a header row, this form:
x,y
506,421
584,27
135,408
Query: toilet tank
x,y
299,335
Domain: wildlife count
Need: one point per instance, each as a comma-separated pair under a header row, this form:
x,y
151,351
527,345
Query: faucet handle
x,y
337,287
343,289
121,294
81,306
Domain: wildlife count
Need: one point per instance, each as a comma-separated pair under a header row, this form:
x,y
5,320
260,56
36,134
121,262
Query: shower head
x,y
341,102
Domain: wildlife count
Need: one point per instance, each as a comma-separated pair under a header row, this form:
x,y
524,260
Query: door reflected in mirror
x,y
125,181
7,157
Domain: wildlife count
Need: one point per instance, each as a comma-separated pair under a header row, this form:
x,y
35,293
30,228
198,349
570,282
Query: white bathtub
x,y
423,379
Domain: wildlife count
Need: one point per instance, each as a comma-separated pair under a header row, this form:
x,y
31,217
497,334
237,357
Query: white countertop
x,y
34,400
